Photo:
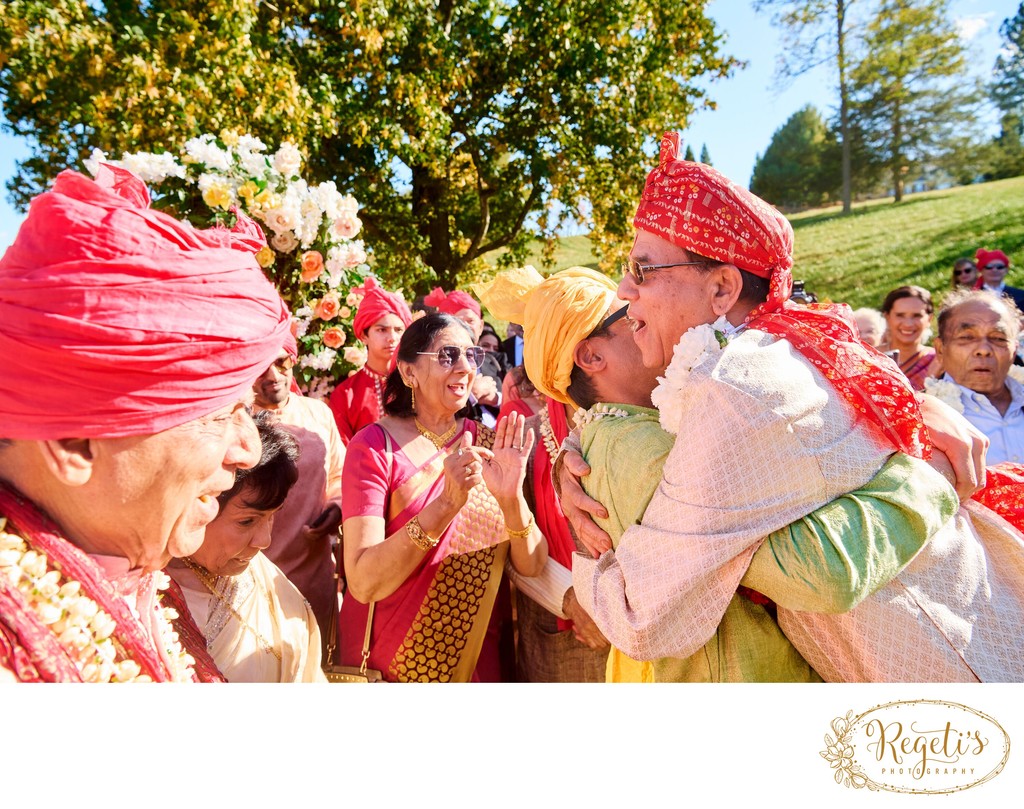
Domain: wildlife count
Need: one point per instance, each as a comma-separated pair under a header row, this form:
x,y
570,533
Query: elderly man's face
x,y
274,384
669,301
980,339
165,485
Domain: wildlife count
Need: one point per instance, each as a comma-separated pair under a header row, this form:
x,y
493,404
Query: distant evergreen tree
x,y
705,155
1007,91
688,154
801,167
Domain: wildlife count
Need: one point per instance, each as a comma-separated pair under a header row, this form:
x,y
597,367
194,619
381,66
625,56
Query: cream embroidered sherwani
x,y
765,440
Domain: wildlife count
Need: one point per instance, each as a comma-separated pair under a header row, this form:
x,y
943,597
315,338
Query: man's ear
x,y
727,286
589,356
69,459
937,345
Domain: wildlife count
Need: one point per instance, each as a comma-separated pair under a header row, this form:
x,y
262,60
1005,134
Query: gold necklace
x,y
210,582
439,441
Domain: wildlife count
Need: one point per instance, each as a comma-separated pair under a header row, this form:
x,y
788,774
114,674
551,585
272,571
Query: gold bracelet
x,y
420,538
523,534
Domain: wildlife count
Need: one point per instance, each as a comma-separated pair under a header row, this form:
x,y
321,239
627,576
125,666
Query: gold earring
x,y
412,392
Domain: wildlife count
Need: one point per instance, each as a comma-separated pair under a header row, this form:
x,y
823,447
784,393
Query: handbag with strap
x,y
360,673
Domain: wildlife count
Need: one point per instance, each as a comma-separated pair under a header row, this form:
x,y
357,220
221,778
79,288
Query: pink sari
x,y
433,627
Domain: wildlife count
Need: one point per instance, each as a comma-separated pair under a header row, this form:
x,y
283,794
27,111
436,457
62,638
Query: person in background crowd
x,y
870,324
306,526
254,622
908,311
130,344
965,274
512,345
994,264
380,322
495,357
425,543
976,343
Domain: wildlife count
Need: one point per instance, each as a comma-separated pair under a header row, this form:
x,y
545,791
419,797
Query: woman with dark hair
x,y
424,542
908,311
255,623
965,274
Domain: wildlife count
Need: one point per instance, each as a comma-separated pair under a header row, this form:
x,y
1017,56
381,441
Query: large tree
x,y
462,128
799,169
815,33
1007,88
910,97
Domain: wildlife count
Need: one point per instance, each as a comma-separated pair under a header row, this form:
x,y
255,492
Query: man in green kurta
x,y
825,562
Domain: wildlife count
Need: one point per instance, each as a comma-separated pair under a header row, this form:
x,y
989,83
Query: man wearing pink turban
x,y
130,344
778,410
380,322
993,266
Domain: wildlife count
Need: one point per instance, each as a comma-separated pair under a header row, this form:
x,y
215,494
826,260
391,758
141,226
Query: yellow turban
x,y
556,313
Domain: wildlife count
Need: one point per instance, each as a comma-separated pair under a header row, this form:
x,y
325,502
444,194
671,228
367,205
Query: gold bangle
x,y
522,534
420,538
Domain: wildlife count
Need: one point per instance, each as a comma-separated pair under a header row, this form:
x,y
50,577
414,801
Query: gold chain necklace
x,y
439,441
210,582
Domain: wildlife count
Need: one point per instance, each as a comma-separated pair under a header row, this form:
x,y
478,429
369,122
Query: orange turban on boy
x,y
116,319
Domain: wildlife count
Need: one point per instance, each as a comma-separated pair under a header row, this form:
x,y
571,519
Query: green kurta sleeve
x,y
837,556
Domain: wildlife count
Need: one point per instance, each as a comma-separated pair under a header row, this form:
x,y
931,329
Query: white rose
x,y
282,219
288,159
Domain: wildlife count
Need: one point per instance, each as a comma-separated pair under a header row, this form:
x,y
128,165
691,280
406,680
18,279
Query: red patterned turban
x,y
453,302
699,209
376,303
983,257
116,319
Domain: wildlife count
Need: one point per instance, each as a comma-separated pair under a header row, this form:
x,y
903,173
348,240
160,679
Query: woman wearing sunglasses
x,y
965,273
433,506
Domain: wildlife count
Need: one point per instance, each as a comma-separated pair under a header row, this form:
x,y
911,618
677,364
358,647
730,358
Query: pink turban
x,y
700,209
376,303
983,257
452,303
116,319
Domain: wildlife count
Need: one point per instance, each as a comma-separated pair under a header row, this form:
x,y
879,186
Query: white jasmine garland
x,y
581,418
697,346
945,390
1016,373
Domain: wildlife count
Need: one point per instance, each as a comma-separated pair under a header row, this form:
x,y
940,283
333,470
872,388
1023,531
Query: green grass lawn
x,y
880,246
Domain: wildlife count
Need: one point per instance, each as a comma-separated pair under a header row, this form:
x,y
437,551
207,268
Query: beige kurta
x,y
273,612
310,565
765,440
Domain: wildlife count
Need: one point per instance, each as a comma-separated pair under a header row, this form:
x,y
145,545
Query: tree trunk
x,y
844,110
428,207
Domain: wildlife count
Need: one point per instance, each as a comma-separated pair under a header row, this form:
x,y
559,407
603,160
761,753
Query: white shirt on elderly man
x,y
1005,431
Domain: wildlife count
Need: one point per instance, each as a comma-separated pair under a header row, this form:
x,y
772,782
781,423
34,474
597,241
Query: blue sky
x,y
749,108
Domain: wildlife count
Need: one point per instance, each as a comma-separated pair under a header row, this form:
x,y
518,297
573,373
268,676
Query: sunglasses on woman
x,y
965,271
447,356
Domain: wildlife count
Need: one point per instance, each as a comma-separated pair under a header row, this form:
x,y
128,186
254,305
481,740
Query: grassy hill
x,y
880,246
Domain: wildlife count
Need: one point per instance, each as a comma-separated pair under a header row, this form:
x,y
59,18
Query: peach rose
x,y
312,265
347,226
333,337
327,307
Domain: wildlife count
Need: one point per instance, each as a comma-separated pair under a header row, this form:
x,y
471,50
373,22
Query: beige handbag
x,y
360,673
351,674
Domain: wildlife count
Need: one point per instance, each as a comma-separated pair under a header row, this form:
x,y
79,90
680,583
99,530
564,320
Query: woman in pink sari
x,y
433,504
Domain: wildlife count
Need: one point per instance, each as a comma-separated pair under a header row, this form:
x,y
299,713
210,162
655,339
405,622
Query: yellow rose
x,y
217,196
248,190
265,257
229,137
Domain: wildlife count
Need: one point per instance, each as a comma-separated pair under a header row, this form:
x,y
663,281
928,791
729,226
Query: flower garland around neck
x,y
84,630
945,390
581,418
695,347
